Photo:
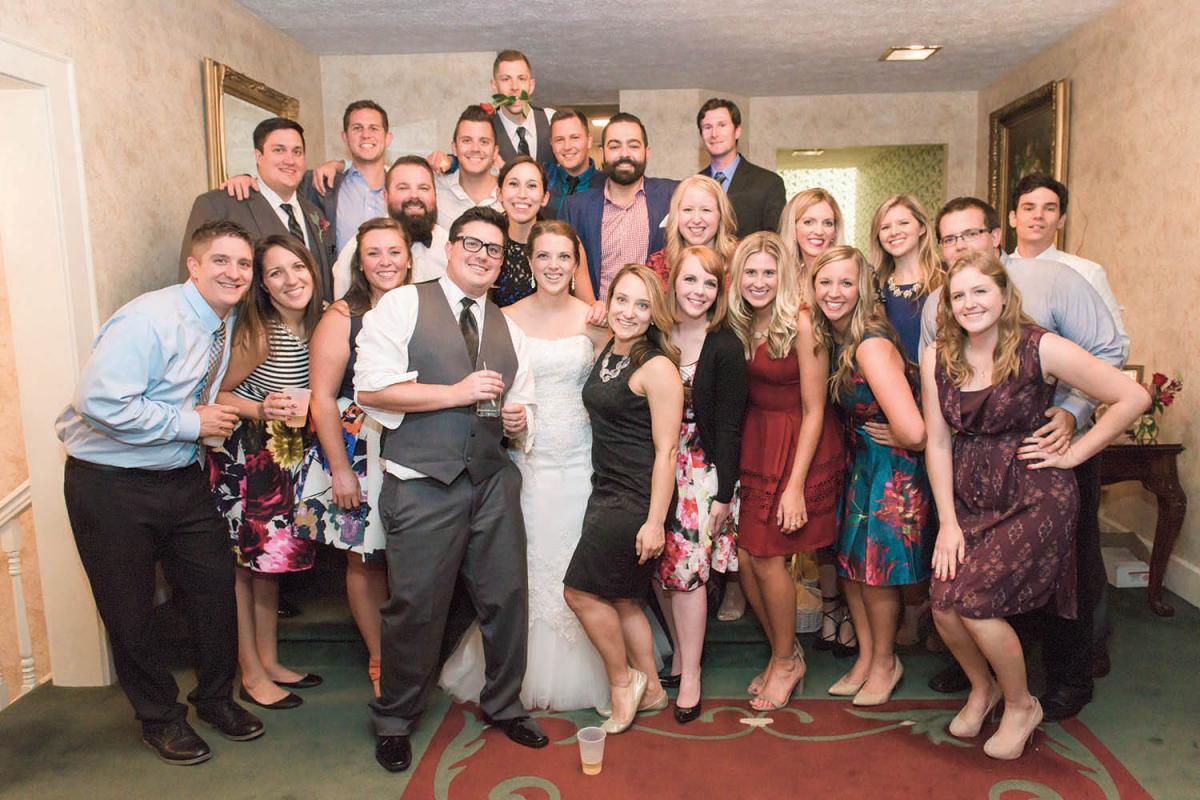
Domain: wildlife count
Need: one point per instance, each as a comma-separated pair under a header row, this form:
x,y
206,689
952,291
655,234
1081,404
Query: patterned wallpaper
x,y
867,176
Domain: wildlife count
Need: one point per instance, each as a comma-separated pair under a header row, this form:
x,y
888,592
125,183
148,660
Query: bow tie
x,y
427,241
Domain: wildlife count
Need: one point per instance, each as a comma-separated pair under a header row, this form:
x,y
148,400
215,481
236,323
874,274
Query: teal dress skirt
x,y
888,518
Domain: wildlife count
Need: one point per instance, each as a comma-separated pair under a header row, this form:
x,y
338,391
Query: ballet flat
x,y
611,725
864,698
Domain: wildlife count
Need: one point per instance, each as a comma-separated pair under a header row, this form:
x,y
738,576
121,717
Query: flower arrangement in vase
x,y
1162,395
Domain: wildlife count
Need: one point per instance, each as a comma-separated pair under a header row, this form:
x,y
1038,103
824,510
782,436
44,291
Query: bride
x,y
563,671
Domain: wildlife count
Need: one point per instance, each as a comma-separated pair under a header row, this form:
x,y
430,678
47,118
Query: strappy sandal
x,y
821,642
799,671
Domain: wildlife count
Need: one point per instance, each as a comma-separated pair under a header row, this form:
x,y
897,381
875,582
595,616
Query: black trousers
x,y
1068,644
126,520
439,536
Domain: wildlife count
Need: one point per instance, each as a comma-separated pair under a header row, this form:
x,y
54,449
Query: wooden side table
x,y
1152,465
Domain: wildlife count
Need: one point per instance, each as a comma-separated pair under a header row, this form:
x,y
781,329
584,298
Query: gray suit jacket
x,y
260,220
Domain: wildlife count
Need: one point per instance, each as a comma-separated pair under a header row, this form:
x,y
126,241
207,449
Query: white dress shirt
x,y
1094,274
530,125
453,200
428,263
382,360
277,204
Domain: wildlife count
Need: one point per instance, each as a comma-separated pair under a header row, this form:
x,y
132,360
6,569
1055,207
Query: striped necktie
x,y
293,225
216,354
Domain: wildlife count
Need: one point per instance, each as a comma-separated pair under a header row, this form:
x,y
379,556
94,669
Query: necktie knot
x,y
572,183
719,177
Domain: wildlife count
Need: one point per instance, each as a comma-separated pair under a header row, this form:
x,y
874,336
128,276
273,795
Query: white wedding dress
x,y
563,671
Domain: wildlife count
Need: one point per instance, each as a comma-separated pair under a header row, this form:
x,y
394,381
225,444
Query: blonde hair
x,y
725,240
781,332
657,339
952,339
802,202
928,260
714,265
867,318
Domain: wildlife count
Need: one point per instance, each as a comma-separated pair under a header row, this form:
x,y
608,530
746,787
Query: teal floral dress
x,y
888,520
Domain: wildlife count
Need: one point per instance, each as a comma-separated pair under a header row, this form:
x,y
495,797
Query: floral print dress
x,y
692,548
888,520
253,474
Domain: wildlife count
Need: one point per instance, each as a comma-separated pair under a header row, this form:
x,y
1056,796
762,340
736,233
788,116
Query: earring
x,y
572,284
533,281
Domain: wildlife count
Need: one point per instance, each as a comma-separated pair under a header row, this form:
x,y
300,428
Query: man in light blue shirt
x,y
136,491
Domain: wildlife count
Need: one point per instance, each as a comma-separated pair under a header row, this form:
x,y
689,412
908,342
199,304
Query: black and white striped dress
x,y
253,475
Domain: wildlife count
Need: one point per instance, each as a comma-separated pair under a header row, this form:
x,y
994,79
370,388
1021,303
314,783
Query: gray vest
x,y
508,151
442,444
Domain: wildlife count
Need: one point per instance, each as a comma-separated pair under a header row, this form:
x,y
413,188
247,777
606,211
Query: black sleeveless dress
x,y
606,561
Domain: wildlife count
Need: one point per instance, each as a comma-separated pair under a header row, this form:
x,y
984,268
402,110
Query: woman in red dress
x,y
793,460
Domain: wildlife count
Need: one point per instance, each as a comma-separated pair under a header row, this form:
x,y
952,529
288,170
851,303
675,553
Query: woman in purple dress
x,y
1006,507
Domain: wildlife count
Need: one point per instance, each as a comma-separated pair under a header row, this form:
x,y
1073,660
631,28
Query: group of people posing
x,y
543,393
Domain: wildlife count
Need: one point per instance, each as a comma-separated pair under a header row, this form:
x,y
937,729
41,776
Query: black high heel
x,y
685,715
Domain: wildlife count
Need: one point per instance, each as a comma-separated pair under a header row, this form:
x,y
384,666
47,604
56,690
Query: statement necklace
x,y
907,294
608,373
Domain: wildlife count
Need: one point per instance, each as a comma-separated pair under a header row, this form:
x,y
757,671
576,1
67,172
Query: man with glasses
x,y
431,358
1062,301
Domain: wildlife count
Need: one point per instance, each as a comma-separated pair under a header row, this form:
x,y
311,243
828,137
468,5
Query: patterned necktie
x,y
293,224
216,353
470,329
719,177
522,145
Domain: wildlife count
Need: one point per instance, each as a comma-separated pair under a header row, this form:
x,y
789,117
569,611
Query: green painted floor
x,y
84,743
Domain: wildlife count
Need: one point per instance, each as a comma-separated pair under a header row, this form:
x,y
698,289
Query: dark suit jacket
x,y
758,197
327,205
260,220
585,213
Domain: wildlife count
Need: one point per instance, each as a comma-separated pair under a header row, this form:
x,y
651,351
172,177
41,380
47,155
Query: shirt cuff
x,y
189,426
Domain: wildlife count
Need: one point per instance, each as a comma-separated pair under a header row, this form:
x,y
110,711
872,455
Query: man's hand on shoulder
x,y
324,176
239,187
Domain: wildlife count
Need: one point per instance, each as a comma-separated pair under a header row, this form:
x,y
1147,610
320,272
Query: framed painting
x,y
1027,135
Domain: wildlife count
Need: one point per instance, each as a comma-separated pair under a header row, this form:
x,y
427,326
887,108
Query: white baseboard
x,y
1182,578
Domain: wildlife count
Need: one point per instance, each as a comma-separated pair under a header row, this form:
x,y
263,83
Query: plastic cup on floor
x,y
591,749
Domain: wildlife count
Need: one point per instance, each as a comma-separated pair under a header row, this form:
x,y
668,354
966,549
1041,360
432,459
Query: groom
x,y
451,501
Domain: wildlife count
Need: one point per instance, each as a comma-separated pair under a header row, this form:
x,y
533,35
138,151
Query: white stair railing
x,y
11,508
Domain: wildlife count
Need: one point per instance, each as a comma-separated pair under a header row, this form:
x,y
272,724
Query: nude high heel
x,y
998,751
961,728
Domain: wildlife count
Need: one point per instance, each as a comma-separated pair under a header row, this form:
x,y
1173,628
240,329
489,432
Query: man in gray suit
x,y
277,208
432,357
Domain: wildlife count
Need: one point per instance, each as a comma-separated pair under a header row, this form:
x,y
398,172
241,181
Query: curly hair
x,y
867,319
952,338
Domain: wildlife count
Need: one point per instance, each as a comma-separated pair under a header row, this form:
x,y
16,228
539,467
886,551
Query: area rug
x,y
812,748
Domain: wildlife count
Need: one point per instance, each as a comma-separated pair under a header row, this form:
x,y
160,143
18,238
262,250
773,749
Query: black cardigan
x,y
719,400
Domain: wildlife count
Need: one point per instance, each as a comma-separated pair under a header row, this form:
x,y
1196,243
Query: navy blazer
x,y
585,211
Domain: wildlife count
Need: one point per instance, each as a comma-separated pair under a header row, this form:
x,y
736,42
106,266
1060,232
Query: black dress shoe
x,y
290,701
951,680
176,743
685,715
233,721
669,681
307,682
522,730
1064,702
394,753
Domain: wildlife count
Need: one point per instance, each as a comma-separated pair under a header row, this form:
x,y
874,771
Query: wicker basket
x,y
808,610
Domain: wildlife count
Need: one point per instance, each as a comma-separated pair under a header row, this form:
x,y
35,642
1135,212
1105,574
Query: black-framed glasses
x,y
473,245
966,237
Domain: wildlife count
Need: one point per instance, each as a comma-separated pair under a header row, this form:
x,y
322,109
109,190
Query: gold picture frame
x,y
219,81
1030,134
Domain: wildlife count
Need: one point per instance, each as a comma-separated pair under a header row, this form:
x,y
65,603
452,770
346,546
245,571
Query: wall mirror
x,y
233,104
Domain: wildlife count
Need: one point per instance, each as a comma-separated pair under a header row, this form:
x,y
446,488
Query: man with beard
x,y
411,201
620,221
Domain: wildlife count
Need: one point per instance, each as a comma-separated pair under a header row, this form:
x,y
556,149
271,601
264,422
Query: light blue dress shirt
x,y
135,402
357,202
727,172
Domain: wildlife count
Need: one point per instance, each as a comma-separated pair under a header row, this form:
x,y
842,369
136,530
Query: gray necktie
x,y
470,329
522,145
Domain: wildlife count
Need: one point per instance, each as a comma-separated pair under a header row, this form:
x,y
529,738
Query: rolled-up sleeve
x,y
1081,315
382,350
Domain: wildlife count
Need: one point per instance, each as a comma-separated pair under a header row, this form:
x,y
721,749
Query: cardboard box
x,y
1125,570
